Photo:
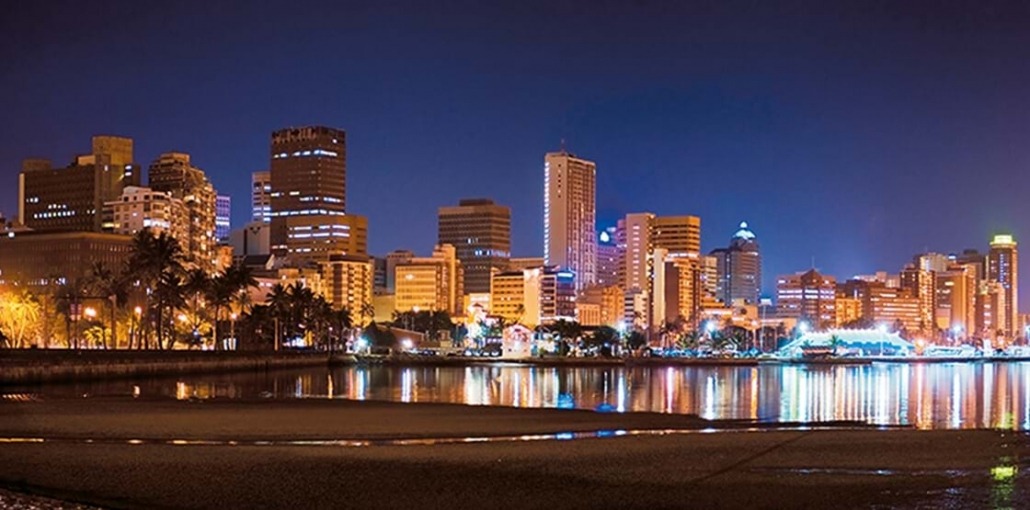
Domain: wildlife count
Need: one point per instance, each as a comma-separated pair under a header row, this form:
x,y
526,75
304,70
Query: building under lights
x,y
73,198
143,208
1003,267
261,196
480,231
570,215
809,296
534,297
434,283
739,268
173,173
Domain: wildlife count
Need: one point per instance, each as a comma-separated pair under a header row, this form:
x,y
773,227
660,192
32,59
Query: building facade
x,y
347,282
431,283
223,218
570,215
143,208
308,170
480,231
739,268
41,259
261,196
609,258
1003,267
809,296
173,173
73,198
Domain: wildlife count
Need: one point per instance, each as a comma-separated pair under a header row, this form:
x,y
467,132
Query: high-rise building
x,y
956,299
223,218
1003,267
252,239
520,263
570,215
608,299
541,295
431,283
261,196
347,282
379,276
739,268
637,227
173,173
72,198
922,283
891,307
480,231
139,208
680,235
609,258
809,296
308,172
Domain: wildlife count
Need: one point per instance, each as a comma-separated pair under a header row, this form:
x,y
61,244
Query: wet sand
x,y
841,468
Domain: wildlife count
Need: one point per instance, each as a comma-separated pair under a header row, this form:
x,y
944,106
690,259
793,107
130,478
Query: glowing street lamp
x,y
803,327
90,312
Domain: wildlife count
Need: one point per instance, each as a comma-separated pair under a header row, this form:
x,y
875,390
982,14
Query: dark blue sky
x,y
857,134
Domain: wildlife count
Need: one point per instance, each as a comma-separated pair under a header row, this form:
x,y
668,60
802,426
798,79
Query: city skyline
x,y
896,184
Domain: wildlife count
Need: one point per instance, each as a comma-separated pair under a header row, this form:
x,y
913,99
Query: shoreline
x,y
126,453
28,367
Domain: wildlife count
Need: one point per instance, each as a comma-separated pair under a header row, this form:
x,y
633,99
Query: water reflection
x,y
926,396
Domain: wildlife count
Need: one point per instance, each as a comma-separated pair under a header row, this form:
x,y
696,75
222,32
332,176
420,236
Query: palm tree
x,y
367,310
170,296
154,260
115,287
278,301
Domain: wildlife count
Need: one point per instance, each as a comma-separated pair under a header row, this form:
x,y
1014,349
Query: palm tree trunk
x,y
214,330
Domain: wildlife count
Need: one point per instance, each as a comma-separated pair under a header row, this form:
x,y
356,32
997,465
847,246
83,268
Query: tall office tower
x,y
72,198
570,215
638,251
261,196
739,268
308,174
709,280
223,218
956,300
378,276
1003,267
809,296
480,231
922,283
609,257
173,173
431,283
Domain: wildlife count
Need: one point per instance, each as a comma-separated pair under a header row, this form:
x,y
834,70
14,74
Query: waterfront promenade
x,y
132,453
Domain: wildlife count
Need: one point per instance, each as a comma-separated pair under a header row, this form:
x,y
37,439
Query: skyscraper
x,y
609,258
1003,267
808,296
570,215
308,174
173,173
739,268
72,198
223,215
430,283
261,196
480,232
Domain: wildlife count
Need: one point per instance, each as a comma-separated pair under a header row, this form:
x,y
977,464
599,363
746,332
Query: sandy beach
x,y
843,467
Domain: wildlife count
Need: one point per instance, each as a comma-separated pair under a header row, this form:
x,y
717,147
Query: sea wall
x,y
30,366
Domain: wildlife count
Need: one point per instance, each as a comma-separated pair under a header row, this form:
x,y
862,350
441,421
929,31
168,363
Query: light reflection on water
x,y
927,396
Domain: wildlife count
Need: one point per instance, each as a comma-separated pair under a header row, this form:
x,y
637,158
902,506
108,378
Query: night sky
x,y
855,134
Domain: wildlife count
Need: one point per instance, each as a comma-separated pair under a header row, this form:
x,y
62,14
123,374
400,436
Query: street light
x,y
803,327
90,312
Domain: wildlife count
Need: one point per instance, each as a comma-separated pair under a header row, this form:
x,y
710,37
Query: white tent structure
x,y
861,342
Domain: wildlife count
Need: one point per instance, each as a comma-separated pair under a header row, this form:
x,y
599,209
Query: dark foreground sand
x,y
843,468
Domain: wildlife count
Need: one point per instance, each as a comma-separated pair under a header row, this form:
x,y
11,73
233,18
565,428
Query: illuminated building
x,y
223,220
680,235
535,296
570,215
739,268
308,169
847,310
72,198
312,238
922,283
379,275
609,258
431,283
991,310
261,196
1003,267
683,289
480,231
39,259
808,296
709,280
172,173
609,301
956,298
588,314
347,282
393,259
139,208
883,305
